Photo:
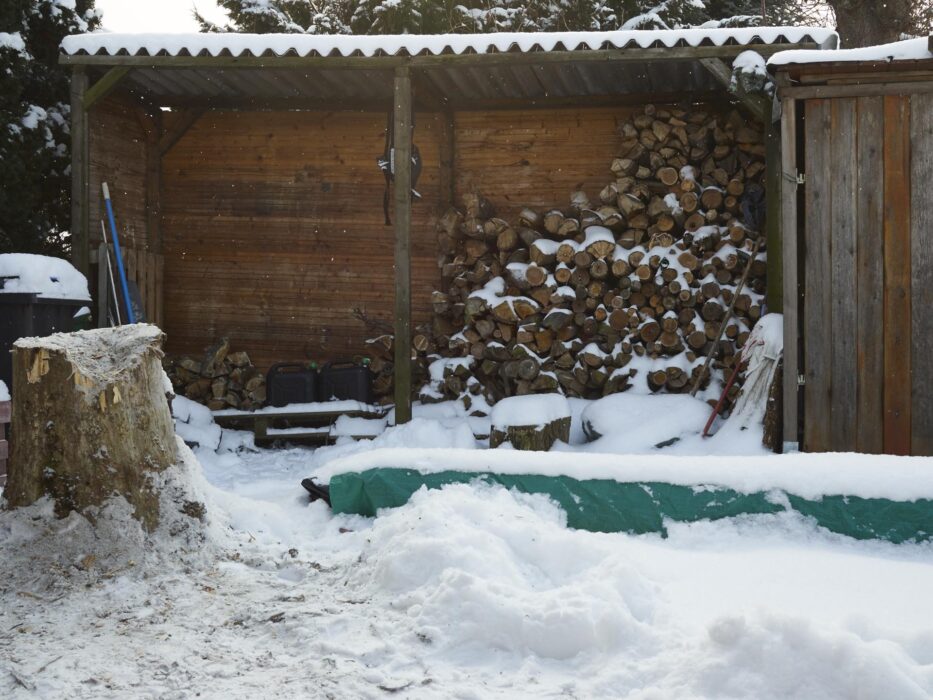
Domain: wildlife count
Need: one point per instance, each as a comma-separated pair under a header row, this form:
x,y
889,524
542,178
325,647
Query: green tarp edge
x,y
602,505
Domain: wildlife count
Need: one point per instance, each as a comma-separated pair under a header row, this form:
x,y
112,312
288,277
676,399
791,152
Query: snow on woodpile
x,y
39,274
215,44
538,410
909,50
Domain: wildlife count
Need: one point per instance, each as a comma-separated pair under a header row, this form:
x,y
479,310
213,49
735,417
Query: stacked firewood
x,y
627,289
221,379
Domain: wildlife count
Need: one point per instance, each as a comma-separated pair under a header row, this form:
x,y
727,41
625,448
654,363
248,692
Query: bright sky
x,y
155,15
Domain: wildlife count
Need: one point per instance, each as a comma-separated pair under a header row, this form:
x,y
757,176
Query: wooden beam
x,y
402,161
773,187
179,128
806,92
790,283
636,54
105,85
758,105
921,227
80,172
897,277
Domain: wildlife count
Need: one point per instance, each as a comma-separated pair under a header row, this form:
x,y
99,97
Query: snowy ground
x,y
469,592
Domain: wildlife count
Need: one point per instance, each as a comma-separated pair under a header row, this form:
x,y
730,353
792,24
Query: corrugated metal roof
x,y
303,45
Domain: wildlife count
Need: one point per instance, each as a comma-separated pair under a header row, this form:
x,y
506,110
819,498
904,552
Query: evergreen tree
x,y
35,180
469,16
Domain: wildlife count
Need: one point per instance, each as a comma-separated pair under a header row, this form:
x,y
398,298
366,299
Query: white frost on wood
x,y
535,409
53,278
434,44
909,50
101,356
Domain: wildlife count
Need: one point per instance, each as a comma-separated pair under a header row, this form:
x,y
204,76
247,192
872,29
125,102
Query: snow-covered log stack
x,y
221,379
628,287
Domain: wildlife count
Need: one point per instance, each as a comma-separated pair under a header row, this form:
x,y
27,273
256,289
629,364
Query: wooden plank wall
x,y
536,158
119,157
868,333
274,232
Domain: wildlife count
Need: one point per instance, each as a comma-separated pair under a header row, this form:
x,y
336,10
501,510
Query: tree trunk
x,y
91,419
869,22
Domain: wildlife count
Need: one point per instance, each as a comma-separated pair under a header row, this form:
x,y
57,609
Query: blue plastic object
x,y
130,315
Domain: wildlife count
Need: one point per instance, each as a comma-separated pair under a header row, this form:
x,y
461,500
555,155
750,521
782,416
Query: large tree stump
x,y
90,420
532,422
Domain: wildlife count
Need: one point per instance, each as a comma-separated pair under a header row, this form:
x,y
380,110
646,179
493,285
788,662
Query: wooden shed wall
x,y
274,232
120,155
868,274
536,158
273,225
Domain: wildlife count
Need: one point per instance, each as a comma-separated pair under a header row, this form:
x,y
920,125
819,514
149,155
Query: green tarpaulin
x,y
602,505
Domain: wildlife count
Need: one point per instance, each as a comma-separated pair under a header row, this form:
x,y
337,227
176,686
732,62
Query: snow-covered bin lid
x,y
4,392
909,50
534,409
53,278
232,44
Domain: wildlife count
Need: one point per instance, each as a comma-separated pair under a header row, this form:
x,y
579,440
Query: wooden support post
x,y
402,106
80,172
153,295
789,270
773,188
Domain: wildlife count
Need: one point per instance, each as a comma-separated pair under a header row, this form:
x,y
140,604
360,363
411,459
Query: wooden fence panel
x,y
869,304
921,226
817,292
842,282
897,316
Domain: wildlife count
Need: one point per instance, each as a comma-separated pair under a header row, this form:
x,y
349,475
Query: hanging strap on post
x,y
130,314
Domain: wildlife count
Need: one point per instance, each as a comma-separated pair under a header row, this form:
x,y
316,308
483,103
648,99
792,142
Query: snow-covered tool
x,y
130,315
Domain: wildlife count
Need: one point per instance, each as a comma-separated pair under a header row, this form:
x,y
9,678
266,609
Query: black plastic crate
x,y
291,382
27,315
346,380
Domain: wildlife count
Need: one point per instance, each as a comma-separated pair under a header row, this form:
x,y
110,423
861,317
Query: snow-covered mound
x,y
48,277
637,422
4,392
80,549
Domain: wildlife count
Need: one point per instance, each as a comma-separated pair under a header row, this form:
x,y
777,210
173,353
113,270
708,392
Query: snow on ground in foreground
x,y
468,592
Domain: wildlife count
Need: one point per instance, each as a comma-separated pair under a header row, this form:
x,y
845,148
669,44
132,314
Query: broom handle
x,y
725,320
130,316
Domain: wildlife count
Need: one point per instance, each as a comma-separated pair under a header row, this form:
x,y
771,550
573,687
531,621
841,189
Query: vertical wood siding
x,y
120,157
868,344
921,227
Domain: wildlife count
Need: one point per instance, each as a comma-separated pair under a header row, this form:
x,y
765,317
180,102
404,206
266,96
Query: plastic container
x,y
292,382
346,380
26,315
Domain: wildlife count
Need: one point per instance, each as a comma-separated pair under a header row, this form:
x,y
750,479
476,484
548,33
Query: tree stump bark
x,y
532,422
90,420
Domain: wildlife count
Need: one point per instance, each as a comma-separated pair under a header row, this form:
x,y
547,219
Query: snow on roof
x,y
216,44
909,50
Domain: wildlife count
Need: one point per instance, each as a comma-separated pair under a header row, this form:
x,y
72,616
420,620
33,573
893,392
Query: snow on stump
x,y
90,420
532,422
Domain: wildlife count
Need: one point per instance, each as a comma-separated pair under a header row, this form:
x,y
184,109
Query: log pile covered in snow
x,y
221,379
627,288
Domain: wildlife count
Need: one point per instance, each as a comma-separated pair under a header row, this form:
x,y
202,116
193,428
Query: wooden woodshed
x,y
244,167
858,247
